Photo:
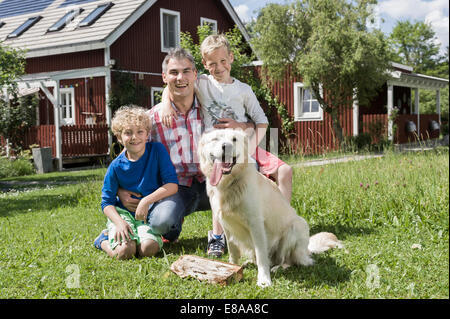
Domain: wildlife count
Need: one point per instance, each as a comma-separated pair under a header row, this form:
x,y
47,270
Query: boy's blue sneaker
x,y
98,241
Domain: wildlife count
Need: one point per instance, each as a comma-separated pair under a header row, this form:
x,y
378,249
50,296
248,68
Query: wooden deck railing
x,y
378,123
77,140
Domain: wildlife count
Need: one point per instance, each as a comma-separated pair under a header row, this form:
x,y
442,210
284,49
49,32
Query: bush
x,y
19,166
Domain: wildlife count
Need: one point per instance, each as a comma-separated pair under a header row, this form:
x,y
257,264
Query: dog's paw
x,y
264,282
275,268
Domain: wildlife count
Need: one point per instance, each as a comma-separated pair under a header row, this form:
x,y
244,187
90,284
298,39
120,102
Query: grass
x,y
391,213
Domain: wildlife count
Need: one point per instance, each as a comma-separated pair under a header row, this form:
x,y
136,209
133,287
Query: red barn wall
x,y
68,61
309,137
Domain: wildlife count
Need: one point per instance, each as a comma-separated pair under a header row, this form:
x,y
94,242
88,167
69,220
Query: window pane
x,y
306,95
172,31
24,27
96,14
306,107
66,19
314,106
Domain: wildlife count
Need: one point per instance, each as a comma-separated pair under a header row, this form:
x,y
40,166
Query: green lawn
x,y
390,212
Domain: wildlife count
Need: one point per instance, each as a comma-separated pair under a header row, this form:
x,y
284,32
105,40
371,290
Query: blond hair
x,y
213,42
130,115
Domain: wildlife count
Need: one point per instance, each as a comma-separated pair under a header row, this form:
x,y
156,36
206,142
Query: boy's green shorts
x,y
141,231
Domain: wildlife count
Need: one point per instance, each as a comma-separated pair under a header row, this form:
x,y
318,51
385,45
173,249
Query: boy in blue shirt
x,y
144,168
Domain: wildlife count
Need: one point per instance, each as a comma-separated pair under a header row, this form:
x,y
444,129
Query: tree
x,y
12,65
415,45
16,114
328,45
239,48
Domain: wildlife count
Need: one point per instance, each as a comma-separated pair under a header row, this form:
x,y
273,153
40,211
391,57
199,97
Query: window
x,y
96,14
65,20
170,29
24,27
67,110
306,106
212,24
156,95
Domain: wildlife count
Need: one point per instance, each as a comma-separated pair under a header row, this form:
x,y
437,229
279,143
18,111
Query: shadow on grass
x,y
187,246
20,205
49,179
324,271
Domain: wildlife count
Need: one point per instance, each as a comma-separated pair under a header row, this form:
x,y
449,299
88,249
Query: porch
x,y
76,140
396,114
406,128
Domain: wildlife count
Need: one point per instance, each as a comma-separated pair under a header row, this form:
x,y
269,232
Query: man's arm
x,y
162,192
127,200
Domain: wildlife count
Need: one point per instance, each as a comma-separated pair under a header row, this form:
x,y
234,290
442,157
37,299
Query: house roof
x,y
417,80
73,38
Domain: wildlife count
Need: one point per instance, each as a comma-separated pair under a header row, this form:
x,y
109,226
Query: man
x,y
181,139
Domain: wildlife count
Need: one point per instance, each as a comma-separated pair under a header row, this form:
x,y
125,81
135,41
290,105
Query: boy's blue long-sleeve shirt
x,y
144,176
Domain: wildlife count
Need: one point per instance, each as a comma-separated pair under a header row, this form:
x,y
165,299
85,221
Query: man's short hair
x,y
213,42
178,54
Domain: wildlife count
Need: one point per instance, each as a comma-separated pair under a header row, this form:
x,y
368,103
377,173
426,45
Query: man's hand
x,y
142,211
167,115
230,123
127,200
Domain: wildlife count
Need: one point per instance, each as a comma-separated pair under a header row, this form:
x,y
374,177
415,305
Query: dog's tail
x,y
323,241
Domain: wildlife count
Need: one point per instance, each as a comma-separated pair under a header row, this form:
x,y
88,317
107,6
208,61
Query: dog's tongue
x,y
218,169
216,174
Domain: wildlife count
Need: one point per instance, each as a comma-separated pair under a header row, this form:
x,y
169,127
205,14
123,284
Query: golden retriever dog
x,y
258,221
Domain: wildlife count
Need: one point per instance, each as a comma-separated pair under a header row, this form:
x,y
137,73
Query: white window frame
x,y
153,90
177,27
299,115
210,21
67,120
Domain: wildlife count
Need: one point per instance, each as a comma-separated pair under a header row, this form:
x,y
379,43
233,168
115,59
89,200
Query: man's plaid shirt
x,y
181,141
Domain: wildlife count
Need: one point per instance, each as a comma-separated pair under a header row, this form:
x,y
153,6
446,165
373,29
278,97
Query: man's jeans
x,y
165,217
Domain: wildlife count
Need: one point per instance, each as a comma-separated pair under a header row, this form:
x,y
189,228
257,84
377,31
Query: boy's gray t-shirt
x,y
222,100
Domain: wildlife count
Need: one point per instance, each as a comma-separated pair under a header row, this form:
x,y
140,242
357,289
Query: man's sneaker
x,y
100,238
216,246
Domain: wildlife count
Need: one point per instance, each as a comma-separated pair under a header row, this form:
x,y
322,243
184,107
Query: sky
x,y
434,12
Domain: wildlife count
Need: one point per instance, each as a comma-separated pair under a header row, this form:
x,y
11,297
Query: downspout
x,y
108,64
57,109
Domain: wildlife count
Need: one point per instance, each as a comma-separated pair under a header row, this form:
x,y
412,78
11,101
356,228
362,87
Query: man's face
x,y
180,78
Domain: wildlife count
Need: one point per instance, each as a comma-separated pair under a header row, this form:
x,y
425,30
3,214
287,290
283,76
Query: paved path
x,y
336,160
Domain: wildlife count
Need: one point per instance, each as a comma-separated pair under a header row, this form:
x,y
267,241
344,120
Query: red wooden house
x,y
313,132
73,47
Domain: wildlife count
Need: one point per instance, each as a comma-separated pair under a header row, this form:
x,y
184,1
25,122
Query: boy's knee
x,y
285,172
149,248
